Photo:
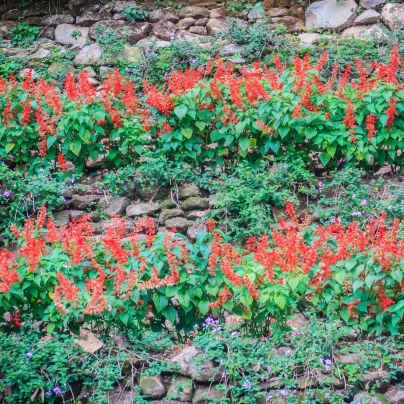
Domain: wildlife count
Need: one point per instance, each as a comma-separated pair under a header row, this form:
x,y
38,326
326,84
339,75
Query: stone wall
x,y
75,23
184,210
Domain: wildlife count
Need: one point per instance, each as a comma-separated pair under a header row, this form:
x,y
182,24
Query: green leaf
x,y
170,314
184,300
75,147
160,301
50,141
203,306
293,282
369,280
345,314
339,277
324,158
50,327
10,147
200,125
244,143
187,132
181,111
240,125
124,317
280,300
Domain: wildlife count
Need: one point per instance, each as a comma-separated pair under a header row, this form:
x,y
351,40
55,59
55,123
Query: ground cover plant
x,y
212,116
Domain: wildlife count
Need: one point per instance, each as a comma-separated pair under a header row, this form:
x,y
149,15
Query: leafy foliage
x,y
343,273
23,35
22,195
245,198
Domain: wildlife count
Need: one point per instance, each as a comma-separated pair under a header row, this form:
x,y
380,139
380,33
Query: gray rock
x,y
255,14
201,22
181,389
165,30
11,15
64,32
129,54
393,15
121,6
121,397
207,394
395,396
194,12
367,17
88,19
187,190
105,70
90,55
214,26
179,223
41,54
292,24
198,30
90,72
6,27
311,38
379,380
92,6
35,10
33,20
371,4
277,12
84,202
194,229
167,402
47,32
165,14
195,215
152,386
195,203
187,361
57,19
232,49
364,397
365,32
306,382
169,214
186,23
352,359
142,209
61,218
132,32
218,13
148,192
330,14
67,193
116,206
77,214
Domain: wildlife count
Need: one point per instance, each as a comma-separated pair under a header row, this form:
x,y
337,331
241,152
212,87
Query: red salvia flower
x,y
8,275
26,113
391,112
349,118
71,88
162,102
371,125
62,163
85,88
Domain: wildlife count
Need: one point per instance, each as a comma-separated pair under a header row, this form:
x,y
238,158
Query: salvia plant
x,y
212,115
134,279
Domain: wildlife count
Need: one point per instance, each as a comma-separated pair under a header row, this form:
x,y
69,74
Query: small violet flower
x,y
29,354
247,384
